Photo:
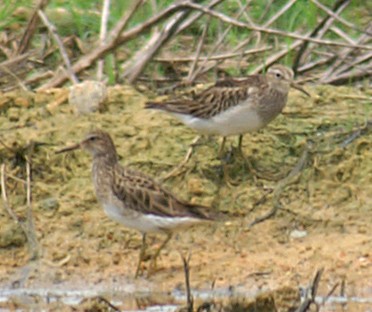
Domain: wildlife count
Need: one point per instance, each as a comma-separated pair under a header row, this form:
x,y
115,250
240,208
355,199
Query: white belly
x,y
147,222
236,120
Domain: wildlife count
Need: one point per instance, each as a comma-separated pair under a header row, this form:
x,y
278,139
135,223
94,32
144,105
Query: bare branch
x,y
114,40
339,18
272,31
31,27
102,35
62,50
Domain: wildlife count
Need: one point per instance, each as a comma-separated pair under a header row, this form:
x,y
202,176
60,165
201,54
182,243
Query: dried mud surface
x,y
324,218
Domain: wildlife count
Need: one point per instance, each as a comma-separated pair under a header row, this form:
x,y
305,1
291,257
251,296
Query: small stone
x,y
195,186
13,114
88,96
298,234
49,204
11,235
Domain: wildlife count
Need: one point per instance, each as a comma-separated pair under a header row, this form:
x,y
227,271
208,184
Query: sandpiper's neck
x,y
102,173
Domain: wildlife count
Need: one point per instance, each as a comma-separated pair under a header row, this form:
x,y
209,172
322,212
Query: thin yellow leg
x,y
157,253
141,256
222,148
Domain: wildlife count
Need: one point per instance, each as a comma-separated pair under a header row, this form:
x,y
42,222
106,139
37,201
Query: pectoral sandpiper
x,y
134,199
234,107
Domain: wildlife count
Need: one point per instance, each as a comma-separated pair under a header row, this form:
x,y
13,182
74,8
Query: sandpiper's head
x,y
97,142
281,79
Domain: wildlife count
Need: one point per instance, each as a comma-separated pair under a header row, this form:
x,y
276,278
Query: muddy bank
x,y
324,208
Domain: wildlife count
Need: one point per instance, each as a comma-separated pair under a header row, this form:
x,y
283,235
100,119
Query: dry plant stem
x,y
61,48
284,9
28,228
195,17
318,32
272,31
342,34
32,238
10,73
136,65
102,35
203,68
31,27
198,51
115,39
353,75
217,57
343,56
311,292
177,170
291,178
186,269
339,18
5,197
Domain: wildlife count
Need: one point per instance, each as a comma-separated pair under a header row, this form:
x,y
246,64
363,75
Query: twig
x,y
319,31
115,39
195,17
31,27
52,29
293,175
198,51
186,269
343,56
311,292
216,57
272,31
34,245
5,197
177,170
135,66
12,74
353,75
102,36
202,68
357,133
339,18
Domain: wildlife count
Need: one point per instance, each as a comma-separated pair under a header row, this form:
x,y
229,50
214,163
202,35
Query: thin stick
x,y
198,51
5,197
186,269
202,68
52,29
216,57
115,39
272,31
311,292
339,18
102,36
32,238
292,177
31,28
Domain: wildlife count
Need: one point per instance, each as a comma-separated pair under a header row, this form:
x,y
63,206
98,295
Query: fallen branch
x,y
138,62
186,269
216,57
311,292
291,178
115,39
232,21
31,27
52,29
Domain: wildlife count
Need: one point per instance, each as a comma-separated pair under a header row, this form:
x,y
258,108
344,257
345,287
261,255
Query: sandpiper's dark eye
x,y
92,138
278,75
